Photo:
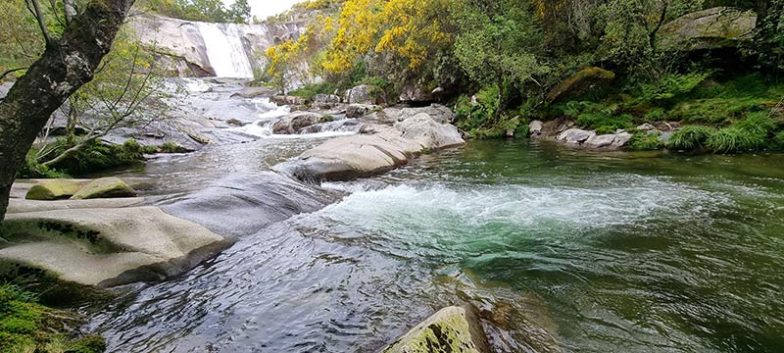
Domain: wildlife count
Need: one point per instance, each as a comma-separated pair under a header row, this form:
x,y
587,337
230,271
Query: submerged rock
x,y
451,330
106,247
104,188
55,189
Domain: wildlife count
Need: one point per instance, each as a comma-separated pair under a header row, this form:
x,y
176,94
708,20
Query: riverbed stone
x,y
253,92
293,123
576,136
55,189
287,100
535,128
107,247
428,133
104,188
362,94
379,149
451,330
359,110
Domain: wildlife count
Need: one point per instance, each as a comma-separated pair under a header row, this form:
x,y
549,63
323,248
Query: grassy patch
x,y
735,140
690,138
643,141
603,123
310,91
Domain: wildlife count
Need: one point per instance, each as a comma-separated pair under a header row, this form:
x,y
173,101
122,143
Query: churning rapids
x,y
561,250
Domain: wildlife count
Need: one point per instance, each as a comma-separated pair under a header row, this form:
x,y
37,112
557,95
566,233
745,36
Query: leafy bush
x,y
655,114
760,124
690,138
643,141
734,140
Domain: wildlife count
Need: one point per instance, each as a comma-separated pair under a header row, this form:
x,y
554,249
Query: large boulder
x,y
609,141
451,330
293,123
326,99
535,128
380,149
581,83
713,28
55,189
105,247
576,136
416,94
362,94
430,134
104,188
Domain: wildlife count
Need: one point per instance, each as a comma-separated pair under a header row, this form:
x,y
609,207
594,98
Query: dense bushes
x,y
26,326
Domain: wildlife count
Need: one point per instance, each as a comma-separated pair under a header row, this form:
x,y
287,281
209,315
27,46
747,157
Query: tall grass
x,y
690,138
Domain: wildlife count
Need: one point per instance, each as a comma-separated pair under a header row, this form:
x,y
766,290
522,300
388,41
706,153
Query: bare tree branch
x,y
35,9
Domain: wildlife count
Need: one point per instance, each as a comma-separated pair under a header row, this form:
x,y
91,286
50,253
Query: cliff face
x,y
200,49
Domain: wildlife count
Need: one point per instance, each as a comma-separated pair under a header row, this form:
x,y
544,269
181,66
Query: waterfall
x,y
225,50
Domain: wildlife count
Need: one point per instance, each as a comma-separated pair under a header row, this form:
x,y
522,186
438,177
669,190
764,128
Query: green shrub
x,y
690,138
718,110
760,124
97,156
605,124
655,114
171,147
310,91
669,87
32,169
477,118
778,141
643,141
734,140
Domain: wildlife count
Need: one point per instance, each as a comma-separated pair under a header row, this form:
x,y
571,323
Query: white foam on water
x,y
402,207
225,50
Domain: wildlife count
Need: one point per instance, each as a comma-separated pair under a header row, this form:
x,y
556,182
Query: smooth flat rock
x,y
451,330
108,247
428,133
26,206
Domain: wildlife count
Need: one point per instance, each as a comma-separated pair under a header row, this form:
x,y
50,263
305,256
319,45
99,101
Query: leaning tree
x,y
67,63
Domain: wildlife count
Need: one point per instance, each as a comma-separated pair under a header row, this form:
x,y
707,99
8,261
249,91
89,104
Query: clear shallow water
x,y
561,251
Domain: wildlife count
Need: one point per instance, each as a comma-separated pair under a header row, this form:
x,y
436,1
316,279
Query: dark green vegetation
x,y
606,64
26,326
96,156
201,10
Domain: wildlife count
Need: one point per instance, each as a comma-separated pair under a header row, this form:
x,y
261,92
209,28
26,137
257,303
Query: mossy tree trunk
x,y
67,64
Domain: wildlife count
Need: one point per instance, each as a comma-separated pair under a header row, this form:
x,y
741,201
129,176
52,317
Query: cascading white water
x,y
225,50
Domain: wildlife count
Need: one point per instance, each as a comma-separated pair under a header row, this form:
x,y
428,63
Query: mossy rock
x,y
579,84
104,188
453,329
57,189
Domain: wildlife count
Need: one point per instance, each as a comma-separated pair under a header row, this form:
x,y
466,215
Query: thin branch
x,y
8,72
35,9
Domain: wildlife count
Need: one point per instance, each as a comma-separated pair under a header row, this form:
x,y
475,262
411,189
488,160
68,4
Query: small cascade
x,y
225,50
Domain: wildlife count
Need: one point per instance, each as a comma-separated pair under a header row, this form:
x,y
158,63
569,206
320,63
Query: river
x,y
561,250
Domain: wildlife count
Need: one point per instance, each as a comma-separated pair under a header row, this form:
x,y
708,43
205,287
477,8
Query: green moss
x,y
690,138
718,110
26,326
643,141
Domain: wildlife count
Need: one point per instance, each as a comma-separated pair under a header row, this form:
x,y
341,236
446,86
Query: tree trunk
x,y
65,66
